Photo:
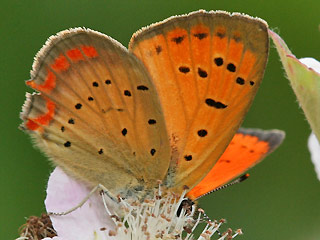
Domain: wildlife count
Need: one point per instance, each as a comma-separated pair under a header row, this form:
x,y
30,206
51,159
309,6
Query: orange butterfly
x,y
166,109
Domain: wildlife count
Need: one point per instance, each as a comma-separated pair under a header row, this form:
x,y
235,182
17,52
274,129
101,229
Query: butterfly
x,y
168,108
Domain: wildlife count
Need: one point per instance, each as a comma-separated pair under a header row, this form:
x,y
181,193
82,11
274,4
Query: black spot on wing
x,y
225,160
78,106
142,88
218,61
178,40
202,73
158,49
240,80
201,36
231,67
127,93
184,69
152,151
124,131
221,34
152,121
202,133
212,103
237,38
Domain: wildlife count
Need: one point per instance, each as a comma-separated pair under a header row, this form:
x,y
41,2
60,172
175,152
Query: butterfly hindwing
x,y
206,67
97,113
247,148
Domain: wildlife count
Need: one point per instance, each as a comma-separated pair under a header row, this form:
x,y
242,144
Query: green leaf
x,y
304,81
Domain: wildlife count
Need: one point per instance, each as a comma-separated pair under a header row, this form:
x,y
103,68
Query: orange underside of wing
x,y
243,152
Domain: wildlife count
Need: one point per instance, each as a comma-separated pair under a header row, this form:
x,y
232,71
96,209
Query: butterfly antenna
x,y
238,180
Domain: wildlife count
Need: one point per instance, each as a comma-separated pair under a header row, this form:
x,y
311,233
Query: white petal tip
x,y
311,63
314,148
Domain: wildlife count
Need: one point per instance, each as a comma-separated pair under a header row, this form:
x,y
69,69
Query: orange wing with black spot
x,y
247,148
207,67
97,113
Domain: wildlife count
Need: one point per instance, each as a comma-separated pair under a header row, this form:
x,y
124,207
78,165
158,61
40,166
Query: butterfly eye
x,y
186,205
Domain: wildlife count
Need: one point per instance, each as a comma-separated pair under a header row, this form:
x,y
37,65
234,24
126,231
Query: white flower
x,y
96,219
314,148
89,221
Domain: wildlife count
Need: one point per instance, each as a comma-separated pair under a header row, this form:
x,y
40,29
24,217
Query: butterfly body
x,y
166,109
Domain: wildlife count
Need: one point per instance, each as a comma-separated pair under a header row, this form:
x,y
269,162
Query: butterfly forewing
x,y
207,68
97,114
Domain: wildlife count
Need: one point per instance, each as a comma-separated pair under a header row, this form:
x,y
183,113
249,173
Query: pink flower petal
x,y
85,223
314,148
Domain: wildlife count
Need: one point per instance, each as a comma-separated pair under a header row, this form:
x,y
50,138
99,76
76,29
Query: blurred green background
x,y
281,200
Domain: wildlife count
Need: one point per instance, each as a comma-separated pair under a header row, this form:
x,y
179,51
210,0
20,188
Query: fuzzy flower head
x,y
165,216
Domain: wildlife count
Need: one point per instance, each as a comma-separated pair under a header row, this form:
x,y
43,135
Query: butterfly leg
x,y
83,201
